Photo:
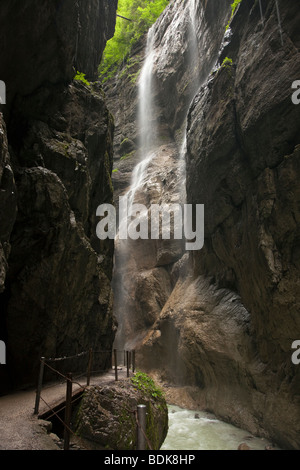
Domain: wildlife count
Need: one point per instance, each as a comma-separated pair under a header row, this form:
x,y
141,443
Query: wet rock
x,y
227,325
106,417
46,425
243,446
146,272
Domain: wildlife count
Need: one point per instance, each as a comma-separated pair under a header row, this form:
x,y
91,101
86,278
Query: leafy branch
x,y
142,13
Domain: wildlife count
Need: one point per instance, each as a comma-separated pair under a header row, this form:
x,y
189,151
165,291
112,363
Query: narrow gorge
x,y
217,323
200,112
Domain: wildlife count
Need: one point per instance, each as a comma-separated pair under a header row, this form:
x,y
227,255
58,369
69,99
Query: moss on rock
x,y
106,416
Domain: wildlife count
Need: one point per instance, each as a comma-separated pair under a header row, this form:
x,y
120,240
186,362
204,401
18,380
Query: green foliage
x,y
127,155
142,13
143,382
81,77
227,62
234,6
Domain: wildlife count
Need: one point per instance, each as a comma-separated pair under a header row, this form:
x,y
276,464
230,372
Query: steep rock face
x,y
229,323
57,298
146,270
46,41
187,39
8,204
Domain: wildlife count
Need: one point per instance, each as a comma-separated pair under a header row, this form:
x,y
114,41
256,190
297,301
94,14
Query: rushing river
x,y
198,430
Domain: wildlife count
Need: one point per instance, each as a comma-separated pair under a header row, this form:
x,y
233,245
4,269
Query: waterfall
x,y
159,176
194,66
147,139
146,122
261,13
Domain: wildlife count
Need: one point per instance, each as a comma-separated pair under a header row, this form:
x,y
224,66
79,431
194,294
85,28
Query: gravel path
x,y
20,429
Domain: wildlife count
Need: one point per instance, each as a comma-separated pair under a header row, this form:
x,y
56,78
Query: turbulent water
x,y
198,430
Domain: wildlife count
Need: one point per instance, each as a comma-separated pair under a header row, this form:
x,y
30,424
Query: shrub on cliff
x,y
142,14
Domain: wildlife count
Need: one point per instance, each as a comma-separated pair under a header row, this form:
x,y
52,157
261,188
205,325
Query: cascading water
x,y
148,171
147,138
146,121
199,430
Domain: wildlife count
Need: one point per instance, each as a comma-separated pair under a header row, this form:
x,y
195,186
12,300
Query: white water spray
x,y
200,430
195,71
261,13
146,122
148,133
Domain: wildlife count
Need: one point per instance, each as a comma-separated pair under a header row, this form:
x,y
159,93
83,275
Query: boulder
x,y
106,417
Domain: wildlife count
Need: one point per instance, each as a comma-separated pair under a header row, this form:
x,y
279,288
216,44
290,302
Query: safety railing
x,y
120,358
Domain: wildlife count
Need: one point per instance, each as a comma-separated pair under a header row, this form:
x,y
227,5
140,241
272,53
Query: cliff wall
x,y
55,169
224,318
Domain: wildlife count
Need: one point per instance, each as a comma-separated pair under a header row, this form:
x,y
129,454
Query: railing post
x,y
141,427
127,359
68,412
116,367
39,386
88,375
133,361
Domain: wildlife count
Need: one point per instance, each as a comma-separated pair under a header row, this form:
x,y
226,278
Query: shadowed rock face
x,y
243,164
55,167
7,203
44,41
230,316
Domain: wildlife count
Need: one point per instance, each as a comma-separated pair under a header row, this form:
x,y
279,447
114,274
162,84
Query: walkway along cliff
x,y
220,321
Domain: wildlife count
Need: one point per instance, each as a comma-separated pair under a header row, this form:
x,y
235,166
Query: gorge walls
x,y
146,270
220,320
56,152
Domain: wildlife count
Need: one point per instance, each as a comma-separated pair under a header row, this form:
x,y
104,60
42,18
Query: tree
x,y
142,13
